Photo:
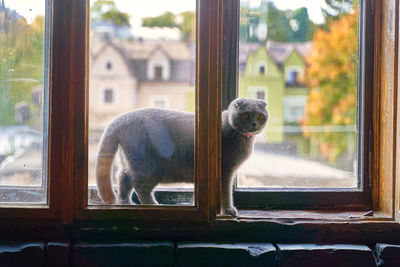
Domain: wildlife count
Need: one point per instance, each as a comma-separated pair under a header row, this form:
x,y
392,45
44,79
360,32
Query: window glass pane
x,y
23,101
142,55
310,80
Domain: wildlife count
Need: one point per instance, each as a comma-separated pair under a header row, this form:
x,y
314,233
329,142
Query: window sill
x,y
251,225
304,216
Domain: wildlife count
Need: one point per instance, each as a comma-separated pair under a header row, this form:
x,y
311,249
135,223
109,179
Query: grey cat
x,y
153,146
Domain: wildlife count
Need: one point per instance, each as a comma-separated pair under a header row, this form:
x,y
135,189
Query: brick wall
x,y
195,254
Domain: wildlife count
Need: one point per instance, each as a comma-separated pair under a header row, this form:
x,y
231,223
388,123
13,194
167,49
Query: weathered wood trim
x,y
385,106
397,105
296,228
230,65
58,140
80,182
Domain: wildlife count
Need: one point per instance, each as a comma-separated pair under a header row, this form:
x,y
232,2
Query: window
x,y
24,90
158,73
109,65
261,66
308,129
153,71
70,211
258,92
163,60
159,102
294,107
108,95
293,75
261,95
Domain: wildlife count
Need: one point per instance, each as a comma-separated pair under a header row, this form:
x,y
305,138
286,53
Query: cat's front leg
x,y
227,196
146,198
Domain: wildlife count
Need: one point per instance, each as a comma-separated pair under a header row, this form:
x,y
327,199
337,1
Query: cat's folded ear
x,y
262,103
238,101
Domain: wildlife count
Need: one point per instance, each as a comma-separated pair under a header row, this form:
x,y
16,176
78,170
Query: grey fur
x,y
155,146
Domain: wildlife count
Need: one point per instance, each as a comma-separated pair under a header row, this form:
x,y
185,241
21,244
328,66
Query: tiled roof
x,y
279,52
144,49
136,54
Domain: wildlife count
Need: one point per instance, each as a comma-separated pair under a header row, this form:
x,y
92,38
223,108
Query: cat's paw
x,y
231,211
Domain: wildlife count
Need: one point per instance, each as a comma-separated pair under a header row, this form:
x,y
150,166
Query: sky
x,y
139,8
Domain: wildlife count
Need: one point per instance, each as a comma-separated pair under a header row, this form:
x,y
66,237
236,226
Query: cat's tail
x,y
108,147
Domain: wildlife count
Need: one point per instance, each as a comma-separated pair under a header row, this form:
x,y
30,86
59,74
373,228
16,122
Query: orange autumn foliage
x,y
332,76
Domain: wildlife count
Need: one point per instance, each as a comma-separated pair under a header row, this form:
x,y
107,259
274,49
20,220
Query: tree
x,y
336,8
185,21
21,67
282,25
332,75
187,25
106,10
301,27
278,24
165,20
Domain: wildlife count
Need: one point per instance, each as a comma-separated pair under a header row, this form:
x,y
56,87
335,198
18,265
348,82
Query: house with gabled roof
x,y
127,75
274,72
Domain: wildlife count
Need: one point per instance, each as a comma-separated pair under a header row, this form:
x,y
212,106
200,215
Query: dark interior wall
x,y
169,253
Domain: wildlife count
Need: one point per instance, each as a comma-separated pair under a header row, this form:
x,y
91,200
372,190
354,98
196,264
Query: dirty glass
x,y
24,72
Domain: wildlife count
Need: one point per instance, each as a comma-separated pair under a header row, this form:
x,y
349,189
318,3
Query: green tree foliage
x,y
334,9
187,24
21,67
185,21
250,19
301,27
165,20
282,25
106,10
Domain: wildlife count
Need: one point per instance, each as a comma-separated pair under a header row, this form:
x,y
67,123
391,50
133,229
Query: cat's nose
x,y
254,124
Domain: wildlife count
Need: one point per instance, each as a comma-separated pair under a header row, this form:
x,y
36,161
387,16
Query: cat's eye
x,y
260,117
245,116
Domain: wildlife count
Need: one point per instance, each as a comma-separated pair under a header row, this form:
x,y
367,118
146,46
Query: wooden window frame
x,y
320,198
206,126
67,216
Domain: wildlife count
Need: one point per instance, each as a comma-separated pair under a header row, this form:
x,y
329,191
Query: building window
x,y
159,63
261,66
293,76
158,72
109,65
159,102
261,95
257,92
294,108
296,112
109,96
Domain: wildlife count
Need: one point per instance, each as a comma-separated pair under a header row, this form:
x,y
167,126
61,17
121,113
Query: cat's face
x,y
248,116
